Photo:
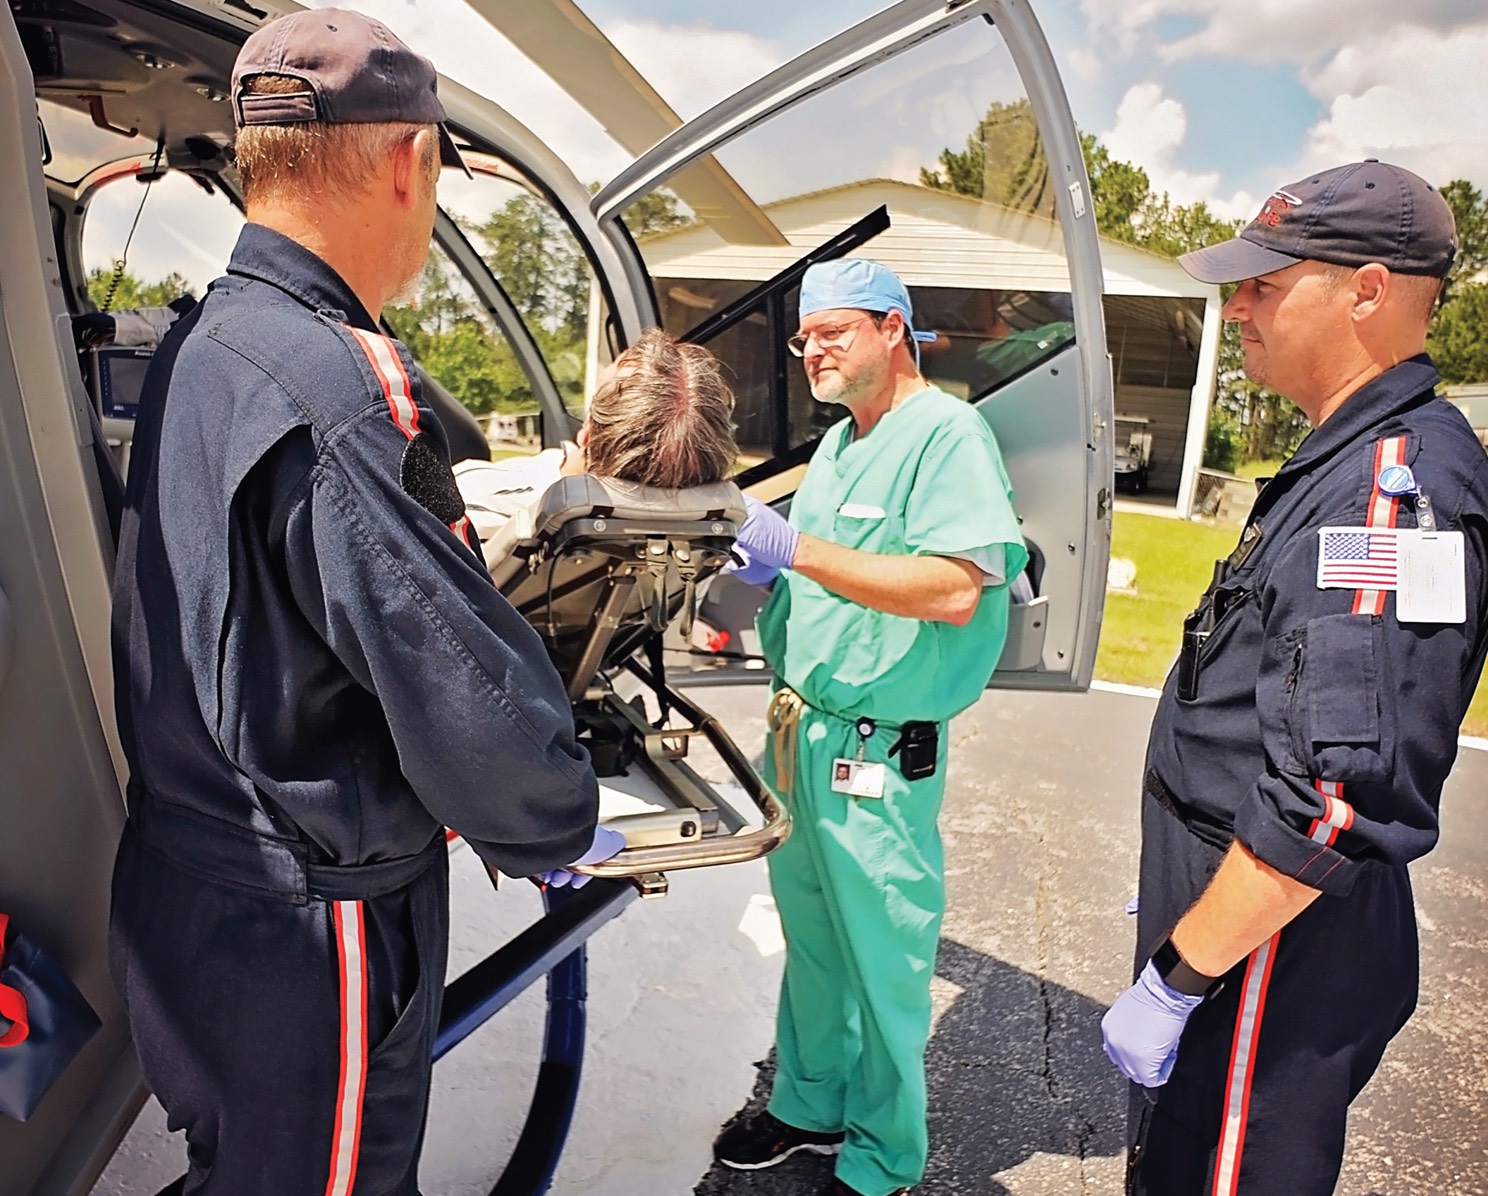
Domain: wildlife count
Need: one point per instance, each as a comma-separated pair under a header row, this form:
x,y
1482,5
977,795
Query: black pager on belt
x,y
918,749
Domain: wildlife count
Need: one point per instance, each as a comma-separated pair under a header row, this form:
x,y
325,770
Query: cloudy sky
x,y
1218,99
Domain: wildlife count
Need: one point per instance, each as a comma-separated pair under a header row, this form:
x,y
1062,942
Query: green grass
x,y
1260,469
1476,722
1175,560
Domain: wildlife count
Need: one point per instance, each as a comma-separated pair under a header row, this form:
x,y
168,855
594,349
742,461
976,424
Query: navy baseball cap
x,y
861,284
1364,212
354,69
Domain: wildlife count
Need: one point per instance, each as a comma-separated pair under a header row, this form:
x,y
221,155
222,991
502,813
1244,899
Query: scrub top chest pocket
x,y
869,528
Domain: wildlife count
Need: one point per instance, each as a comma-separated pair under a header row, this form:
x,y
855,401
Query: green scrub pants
x,y
860,886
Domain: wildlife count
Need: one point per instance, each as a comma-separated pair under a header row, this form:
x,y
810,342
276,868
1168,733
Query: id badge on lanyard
x,y
859,777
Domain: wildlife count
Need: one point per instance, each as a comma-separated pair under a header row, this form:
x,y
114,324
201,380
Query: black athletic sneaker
x,y
764,1140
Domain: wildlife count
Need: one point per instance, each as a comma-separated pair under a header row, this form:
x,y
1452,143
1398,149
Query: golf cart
x,y
1132,452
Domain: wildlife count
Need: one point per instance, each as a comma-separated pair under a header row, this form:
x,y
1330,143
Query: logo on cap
x,y
1276,207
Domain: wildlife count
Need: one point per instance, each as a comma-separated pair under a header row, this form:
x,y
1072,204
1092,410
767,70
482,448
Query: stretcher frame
x,y
600,570
643,570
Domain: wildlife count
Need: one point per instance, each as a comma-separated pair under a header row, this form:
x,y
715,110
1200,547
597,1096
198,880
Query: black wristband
x,y
1178,975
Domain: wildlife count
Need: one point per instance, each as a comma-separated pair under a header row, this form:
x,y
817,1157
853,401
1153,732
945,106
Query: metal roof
x,y
938,239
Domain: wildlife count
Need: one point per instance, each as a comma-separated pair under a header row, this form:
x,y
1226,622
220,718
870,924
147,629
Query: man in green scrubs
x,y
887,616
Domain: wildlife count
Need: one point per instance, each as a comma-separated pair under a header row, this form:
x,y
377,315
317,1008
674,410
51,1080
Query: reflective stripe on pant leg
x,y
351,955
1242,1068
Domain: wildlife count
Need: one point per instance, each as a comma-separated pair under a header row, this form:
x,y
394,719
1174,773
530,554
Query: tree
x,y
1118,190
112,290
1459,330
459,345
1003,162
535,258
654,213
1470,210
1459,335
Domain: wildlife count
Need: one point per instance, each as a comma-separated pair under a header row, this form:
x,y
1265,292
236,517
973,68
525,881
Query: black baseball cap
x,y
1364,212
354,69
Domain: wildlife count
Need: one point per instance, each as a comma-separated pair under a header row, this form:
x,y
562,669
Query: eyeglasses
x,y
827,338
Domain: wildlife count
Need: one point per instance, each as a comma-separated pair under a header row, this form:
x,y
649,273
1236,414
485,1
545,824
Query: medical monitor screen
x,y
118,376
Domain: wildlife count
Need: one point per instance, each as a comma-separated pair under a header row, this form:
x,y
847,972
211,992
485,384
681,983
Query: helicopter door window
x,y
149,250
531,251
182,238
952,156
987,337
457,342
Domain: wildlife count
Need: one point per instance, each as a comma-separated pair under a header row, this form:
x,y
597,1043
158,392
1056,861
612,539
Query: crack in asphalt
x,y
1085,1128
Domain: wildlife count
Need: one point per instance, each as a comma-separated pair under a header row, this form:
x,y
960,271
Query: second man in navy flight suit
x,y
1301,743
315,674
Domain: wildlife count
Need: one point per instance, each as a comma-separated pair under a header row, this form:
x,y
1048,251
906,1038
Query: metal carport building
x,y
961,258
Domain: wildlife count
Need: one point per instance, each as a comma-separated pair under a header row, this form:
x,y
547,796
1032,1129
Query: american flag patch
x,y
1357,558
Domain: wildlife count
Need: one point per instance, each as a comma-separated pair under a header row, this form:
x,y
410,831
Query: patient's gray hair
x,y
665,418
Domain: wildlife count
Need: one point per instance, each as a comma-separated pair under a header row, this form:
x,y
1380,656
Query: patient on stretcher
x,y
661,417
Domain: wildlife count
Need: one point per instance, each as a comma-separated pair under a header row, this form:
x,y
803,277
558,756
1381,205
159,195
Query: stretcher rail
x,y
662,761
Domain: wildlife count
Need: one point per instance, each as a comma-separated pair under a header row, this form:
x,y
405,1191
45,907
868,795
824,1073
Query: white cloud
x,y
1150,128
1415,97
1084,64
1404,82
1149,125
1265,32
902,162
1117,26
692,67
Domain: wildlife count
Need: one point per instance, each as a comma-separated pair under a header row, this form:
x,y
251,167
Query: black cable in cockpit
x,y
122,261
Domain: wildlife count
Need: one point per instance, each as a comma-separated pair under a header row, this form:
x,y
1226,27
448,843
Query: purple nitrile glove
x,y
767,540
606,843
747,570
1140,1031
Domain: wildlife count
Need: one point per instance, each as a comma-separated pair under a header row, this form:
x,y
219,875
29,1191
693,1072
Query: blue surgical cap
x,y
858,283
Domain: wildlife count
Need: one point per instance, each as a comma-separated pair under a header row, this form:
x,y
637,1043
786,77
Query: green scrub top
x,y
928,479
1014,353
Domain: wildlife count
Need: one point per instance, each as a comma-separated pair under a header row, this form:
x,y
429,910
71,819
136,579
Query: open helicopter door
x,y
60,764
937,139
737,197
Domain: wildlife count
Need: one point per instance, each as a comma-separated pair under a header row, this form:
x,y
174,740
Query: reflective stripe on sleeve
x,y
1337,816
387,365
346,1137
1382,512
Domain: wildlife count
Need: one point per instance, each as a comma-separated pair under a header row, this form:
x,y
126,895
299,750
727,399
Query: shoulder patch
x,y
427,478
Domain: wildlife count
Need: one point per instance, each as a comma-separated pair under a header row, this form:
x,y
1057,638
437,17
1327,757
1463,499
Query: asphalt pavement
x,y
1041,835
1040,826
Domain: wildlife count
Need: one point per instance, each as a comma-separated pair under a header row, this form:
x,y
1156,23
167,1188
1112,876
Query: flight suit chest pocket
x,y
868,527
1339,701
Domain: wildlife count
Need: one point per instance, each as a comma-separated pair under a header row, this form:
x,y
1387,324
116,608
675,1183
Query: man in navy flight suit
x,y
1301,743
315,674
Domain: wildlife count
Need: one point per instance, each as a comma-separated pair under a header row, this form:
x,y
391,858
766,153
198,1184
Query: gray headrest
x,y
579,497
